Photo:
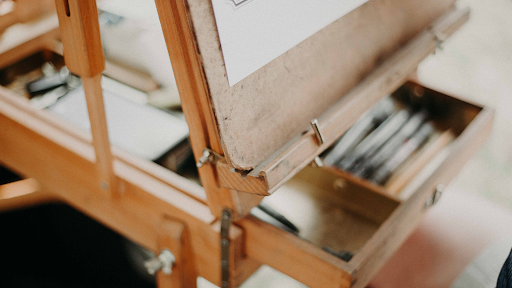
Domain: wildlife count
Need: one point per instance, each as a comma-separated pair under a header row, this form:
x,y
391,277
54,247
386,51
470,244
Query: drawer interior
x,y
337,211
448,116
329,215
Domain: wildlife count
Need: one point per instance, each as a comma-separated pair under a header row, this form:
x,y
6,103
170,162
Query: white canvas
x,y
254,32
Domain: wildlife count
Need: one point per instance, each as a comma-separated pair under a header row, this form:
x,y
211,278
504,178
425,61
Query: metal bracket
x,y
224,246
314,124
163,262
208,156
431,201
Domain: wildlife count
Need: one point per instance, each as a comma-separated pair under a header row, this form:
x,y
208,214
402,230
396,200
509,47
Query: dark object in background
x,y
276,215
49,82
56,246
505,277
7,176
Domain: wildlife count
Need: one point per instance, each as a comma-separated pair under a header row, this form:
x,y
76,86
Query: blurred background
x,y
476,63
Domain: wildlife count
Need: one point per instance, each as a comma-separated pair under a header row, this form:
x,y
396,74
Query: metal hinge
x,y
208,156
224,246
440,37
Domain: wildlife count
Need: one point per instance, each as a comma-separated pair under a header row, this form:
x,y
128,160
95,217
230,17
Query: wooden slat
x,y
174,237
83,54
195,100
23,193
64,165
25,11
406,174
101,143
27,39
261,113
299,152
293,256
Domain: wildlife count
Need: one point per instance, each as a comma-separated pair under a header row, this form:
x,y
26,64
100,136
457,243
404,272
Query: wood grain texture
x,y
239,180
80,35
175,237
149,168
293,256
412,168
195,101
24,11
264,111
65,166
83,55
300,151
23,193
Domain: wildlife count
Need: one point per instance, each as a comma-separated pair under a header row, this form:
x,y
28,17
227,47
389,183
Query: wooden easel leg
x,y
174,236
23,193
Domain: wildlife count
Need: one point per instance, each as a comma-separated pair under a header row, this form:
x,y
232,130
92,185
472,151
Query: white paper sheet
x,y
254,32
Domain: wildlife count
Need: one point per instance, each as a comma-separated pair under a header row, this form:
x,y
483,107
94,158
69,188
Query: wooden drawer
x,y
343,212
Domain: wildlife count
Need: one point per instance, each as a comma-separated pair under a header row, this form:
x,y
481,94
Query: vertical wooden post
x,y
175,238
196,106
83,54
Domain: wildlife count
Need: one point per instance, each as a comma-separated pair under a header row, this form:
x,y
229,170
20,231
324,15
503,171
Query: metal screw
x,y
225,264
205,158
339,184
163,262
104,185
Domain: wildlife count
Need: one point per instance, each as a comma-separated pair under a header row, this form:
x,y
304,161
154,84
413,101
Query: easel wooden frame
x,y
159,209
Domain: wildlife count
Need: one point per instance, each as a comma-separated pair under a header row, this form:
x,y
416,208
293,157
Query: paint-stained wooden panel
x,y
264,111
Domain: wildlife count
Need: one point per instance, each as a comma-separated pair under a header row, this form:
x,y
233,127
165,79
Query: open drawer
x,y
334,209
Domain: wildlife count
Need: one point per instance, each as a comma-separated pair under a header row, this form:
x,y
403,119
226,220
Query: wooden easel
x,y
161,210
